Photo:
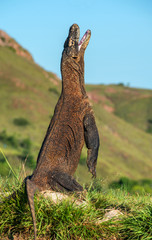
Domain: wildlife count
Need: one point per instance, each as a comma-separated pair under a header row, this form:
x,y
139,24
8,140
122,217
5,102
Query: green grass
x,y
66,220
137,112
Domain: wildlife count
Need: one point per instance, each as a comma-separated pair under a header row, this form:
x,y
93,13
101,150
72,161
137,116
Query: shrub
x,y
54,90
12,49
149,127
23,146
3,136
3,39
8,140
121,84
26,144
132,186
21,122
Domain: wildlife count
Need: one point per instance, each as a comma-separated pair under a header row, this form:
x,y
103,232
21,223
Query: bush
x,y
123,183
149,128
54,90
8,140
23,146
21,122
121,84
12,49
132,186
3,136
3,39
26,144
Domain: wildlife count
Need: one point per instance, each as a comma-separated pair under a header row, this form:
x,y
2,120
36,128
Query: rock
x,y
54,196
57,197
112,214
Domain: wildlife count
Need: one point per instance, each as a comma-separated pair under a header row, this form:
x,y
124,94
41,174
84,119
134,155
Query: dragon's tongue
x,y
82,39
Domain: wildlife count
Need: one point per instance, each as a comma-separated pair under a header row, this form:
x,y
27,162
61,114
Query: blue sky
x,y
120,49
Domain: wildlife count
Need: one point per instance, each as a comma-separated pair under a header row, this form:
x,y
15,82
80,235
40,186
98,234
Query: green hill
x,y
132,105
28,95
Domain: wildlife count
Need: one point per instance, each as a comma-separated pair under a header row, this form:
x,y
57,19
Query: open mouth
x,y
83,39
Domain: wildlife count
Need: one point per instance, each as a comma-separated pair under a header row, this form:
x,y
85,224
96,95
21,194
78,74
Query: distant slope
x,y
7,41
132,105
28,93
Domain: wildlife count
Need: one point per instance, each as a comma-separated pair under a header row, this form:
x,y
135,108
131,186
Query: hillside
x,y
7,41
132,105
28,95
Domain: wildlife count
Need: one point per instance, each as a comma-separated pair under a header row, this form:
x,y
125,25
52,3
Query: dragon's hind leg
x,y
60,181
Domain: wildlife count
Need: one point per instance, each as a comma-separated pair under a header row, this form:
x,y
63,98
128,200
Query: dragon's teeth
x,y
79,47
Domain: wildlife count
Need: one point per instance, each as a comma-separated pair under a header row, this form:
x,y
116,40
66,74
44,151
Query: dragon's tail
x,y
31,189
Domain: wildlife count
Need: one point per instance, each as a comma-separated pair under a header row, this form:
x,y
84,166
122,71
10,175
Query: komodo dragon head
x,y
73,53
72,46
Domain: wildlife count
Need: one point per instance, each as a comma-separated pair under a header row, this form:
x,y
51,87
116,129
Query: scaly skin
x,y
73,124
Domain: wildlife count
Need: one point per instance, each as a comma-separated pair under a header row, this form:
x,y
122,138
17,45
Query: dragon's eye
x,y
71,42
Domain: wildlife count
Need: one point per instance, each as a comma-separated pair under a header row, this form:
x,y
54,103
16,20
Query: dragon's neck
x,y
71,81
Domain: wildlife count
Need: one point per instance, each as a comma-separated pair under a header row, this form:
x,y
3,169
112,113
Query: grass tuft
x,y
8,164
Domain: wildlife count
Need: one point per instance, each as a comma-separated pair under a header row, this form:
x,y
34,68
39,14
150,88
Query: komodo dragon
x,y
73,124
